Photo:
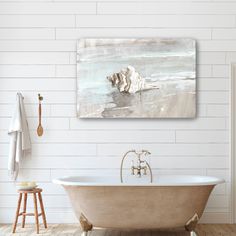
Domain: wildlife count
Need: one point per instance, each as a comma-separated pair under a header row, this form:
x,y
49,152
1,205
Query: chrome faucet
x,y
141,167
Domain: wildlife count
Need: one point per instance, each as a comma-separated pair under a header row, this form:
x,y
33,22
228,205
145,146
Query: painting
x,y
136,78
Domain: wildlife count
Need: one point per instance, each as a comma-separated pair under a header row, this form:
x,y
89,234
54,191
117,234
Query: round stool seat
x,y
34,190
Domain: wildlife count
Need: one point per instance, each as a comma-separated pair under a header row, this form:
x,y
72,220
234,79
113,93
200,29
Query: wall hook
x,y
40,97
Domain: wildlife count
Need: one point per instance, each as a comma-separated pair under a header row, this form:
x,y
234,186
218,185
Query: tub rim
x,y
202,181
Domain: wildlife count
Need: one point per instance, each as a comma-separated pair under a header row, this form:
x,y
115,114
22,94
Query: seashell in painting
x,y
130,81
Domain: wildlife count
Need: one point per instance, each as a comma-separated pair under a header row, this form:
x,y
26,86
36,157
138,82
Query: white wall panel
x,y
38,55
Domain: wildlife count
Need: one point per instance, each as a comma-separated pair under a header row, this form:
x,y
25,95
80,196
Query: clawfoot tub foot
x,y
85,225
191,225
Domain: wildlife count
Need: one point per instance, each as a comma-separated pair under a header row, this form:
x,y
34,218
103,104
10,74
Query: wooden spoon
x,y
40,127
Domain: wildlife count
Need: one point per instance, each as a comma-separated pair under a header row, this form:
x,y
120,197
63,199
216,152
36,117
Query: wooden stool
x,y
35,214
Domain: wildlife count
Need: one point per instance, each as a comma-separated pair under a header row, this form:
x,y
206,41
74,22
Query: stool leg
x,y
36,213
24,210
17,213
42,210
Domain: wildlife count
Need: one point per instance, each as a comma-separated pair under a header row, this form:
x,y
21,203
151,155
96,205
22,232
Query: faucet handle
x,y
146,152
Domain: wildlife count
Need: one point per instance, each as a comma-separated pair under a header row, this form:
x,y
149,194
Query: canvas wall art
x,y
136,78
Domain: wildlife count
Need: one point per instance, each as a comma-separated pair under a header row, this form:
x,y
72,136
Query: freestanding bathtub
x,y
171,201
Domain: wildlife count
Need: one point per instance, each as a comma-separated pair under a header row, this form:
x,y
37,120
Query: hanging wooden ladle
x,y
40,127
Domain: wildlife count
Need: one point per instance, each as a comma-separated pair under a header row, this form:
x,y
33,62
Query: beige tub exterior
x,y
169,203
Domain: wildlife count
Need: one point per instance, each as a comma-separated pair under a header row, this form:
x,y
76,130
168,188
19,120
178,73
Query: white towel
x,y
19,137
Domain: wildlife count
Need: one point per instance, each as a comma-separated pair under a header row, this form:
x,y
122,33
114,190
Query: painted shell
x,y
128,80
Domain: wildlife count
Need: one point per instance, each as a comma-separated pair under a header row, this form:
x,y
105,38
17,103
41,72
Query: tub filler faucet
x,y
140,168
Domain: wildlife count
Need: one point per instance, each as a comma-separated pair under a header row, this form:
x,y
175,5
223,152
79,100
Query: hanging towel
x,y
20,143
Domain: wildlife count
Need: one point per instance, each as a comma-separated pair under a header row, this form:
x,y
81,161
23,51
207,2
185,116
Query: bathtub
x,y
171,201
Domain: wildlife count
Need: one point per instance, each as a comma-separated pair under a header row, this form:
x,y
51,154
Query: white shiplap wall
x,y
38,54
